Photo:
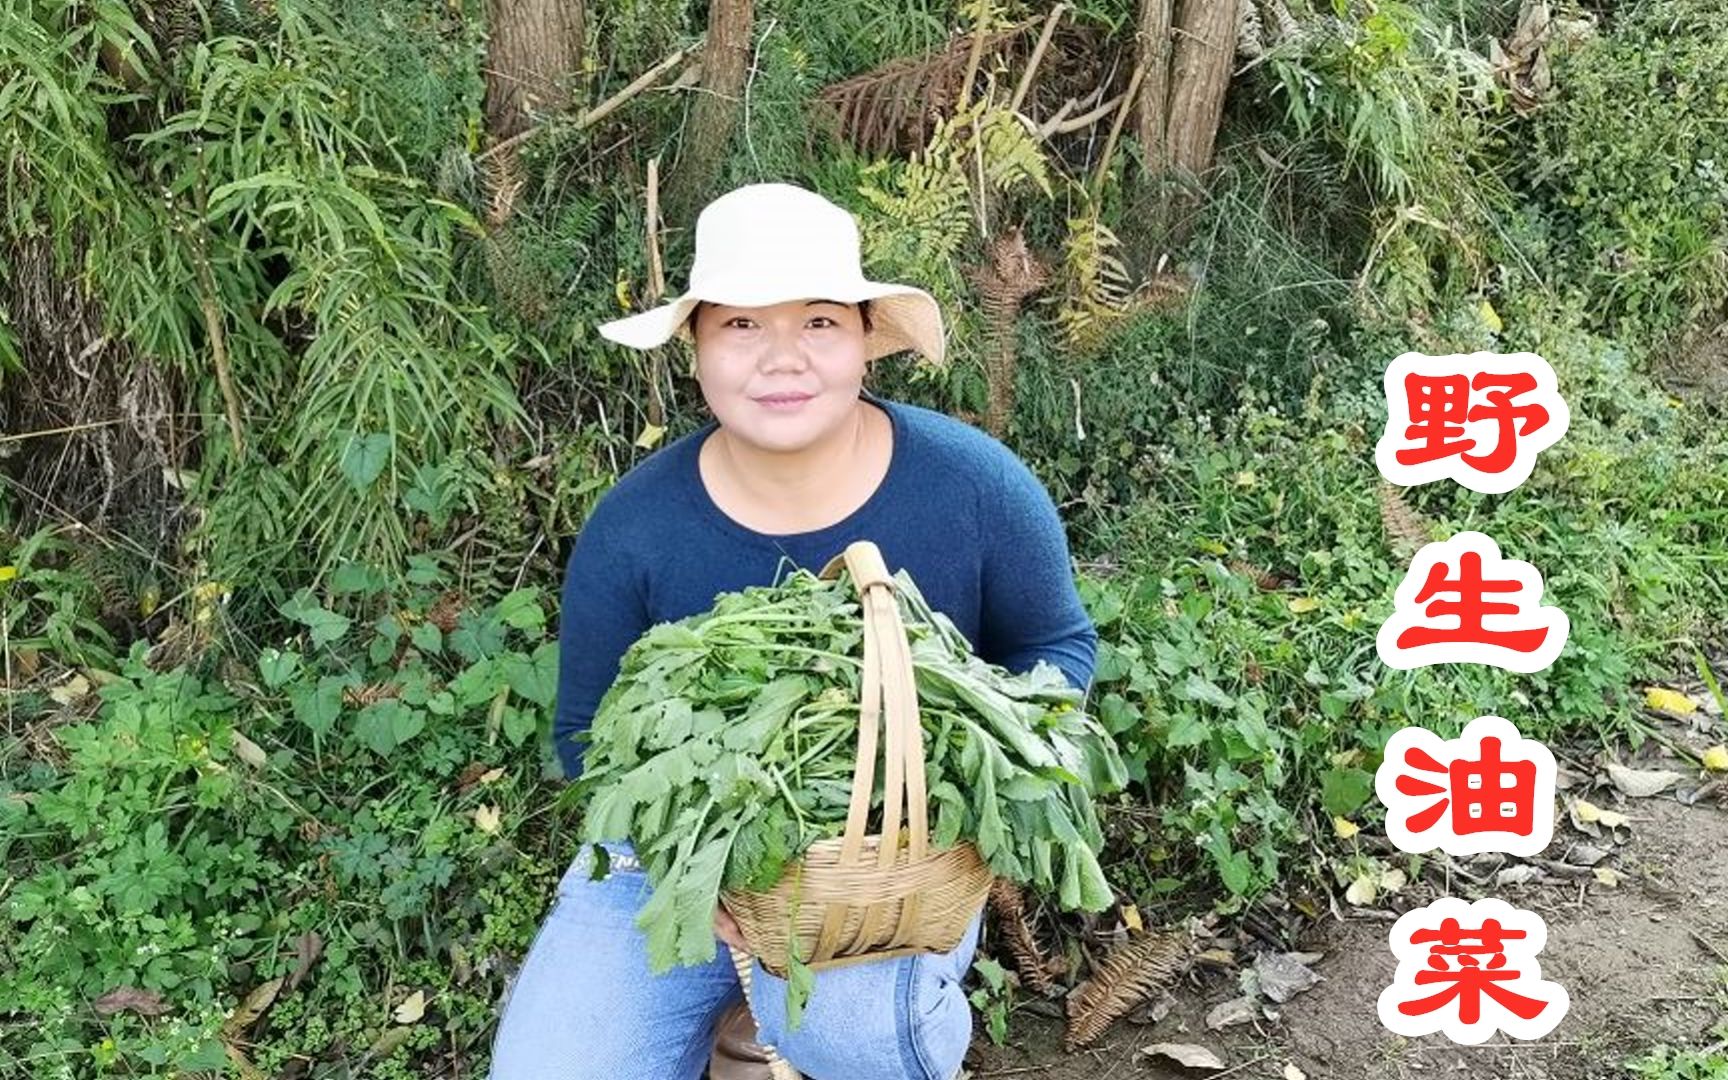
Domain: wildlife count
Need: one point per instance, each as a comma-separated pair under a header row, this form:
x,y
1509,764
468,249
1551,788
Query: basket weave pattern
x,y
872,896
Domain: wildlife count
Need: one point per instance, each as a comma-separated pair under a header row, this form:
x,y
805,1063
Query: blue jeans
x,y
585,1006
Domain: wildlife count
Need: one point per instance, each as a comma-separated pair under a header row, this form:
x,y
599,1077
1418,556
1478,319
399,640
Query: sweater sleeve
x,y
601,614
1031,608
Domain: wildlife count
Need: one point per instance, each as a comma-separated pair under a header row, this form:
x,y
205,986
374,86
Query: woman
x,y
798,462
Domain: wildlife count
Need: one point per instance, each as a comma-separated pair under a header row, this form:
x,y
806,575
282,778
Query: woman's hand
x,y
727,930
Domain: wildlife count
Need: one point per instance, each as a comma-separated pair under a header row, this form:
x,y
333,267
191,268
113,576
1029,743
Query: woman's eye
x,y
739,322
822,322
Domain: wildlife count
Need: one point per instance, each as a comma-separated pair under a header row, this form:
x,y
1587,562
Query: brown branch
x,y
1037,57
1123,109
604,109
1059,126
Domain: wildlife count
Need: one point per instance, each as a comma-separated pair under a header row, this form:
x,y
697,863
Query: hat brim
x,y
902,317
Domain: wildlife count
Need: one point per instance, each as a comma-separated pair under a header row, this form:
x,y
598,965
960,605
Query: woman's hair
x,y
863,307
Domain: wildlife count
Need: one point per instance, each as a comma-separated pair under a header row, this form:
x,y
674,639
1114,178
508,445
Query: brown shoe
x,y
738,1056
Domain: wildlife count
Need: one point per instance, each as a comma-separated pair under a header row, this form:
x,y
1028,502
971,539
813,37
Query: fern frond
x,y
1009,904
1123,980
1406,527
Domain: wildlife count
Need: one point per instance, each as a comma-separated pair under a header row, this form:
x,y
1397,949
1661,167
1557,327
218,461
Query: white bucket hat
x,y
764,244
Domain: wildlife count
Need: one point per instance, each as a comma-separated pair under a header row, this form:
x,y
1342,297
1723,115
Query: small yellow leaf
x,y
486,819
1607,875
1716,759
1345,828
1301,605
623,290
1362,891
1211,547
1586,811
413,1007
1131,916
491,776
1246,479
650,437
1393,880
1490,317
1660,697
7,573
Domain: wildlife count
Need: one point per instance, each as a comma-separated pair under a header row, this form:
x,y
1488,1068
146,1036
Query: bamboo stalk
x,y
213,326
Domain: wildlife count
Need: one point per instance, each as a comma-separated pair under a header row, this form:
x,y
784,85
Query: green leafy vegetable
x,y
726,747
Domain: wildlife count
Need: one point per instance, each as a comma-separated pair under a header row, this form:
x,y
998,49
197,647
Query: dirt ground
x,y
1644,962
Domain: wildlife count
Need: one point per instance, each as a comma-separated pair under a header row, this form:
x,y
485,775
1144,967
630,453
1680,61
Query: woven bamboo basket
x,y
870,897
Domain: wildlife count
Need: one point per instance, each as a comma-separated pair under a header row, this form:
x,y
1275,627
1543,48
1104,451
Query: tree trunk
x,y
1202,74
535,47
1182,97
1154,103
725,69
533,50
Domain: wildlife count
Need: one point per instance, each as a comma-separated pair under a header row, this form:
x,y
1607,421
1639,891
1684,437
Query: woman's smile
x,y
783,402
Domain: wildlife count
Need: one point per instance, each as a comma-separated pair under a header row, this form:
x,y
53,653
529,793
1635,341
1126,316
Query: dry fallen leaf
x,y
72,690
1194,1057
1660,697
1238,1010
1345,828
1608,876
250,752
1392,880
1291,1072
257,1003
1131,916
486,819
243,1065
1590,814
491,776
308,947
413,1007
1716,759
1642,783
1521,874
1362,891
1282,976
130,999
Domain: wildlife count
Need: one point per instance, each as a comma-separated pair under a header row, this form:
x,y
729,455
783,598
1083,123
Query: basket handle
x,y
889,687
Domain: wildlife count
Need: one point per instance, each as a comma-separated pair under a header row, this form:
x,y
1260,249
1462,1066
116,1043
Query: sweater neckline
x,y
897,457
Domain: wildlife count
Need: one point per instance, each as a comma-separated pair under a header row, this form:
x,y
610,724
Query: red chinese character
x,y
1471,607
1490,789
1439,405
1505,414
1478,418
1487,794
1471,979
1482,959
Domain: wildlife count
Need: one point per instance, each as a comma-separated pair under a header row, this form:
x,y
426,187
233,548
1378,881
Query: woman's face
x,y
780,377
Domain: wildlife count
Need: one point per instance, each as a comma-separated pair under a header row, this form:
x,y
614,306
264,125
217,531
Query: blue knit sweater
x,y
957,510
